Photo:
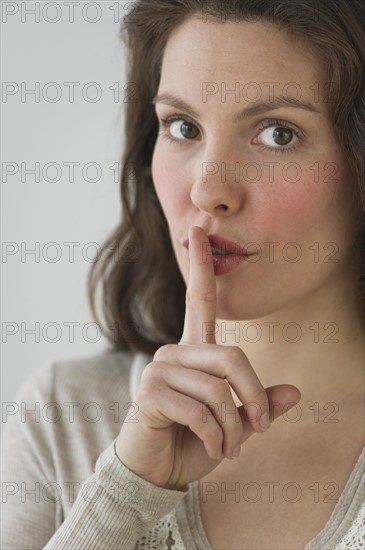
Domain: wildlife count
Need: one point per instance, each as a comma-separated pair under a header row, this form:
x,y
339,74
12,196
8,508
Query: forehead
x,y
259,53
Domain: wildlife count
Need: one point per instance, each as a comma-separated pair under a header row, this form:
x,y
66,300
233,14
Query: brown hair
x,y
143,289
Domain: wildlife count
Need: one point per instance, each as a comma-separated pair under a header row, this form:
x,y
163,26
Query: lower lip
x,y
226,264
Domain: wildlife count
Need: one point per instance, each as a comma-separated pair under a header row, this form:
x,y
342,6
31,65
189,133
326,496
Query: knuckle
x,y
195,415
148,398
209,296
232,355
212,430
151,372
218,387
144,399
199,295
258,396
213,435
163,352
255,407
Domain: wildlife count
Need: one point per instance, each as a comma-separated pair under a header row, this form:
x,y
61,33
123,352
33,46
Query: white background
x,y
36,289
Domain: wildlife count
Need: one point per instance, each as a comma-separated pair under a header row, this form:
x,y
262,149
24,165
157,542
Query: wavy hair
x,y
143,292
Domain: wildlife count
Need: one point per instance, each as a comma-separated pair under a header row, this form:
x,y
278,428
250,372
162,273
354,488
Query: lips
x,y
229,256
225,245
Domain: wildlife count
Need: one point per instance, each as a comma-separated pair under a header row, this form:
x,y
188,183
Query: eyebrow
x,y
263,107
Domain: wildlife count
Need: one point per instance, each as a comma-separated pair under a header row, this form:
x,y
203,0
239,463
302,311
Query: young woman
x,y
229,411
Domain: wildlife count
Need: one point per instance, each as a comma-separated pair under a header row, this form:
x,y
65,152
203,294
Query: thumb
x,y
282,398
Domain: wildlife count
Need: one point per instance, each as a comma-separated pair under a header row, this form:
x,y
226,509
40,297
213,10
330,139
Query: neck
x,y
316,345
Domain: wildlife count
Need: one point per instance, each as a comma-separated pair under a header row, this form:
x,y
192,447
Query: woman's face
x,y
248,152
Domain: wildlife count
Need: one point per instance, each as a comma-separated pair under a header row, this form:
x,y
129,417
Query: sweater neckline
x,y
333,525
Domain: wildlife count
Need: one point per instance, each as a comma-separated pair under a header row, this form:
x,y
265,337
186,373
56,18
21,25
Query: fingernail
x,y
236,451
265,421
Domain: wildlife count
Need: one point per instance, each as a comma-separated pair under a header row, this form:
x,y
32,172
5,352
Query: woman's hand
x,y
187,419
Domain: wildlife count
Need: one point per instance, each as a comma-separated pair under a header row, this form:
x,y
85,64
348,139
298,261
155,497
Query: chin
x,y
245,305
230,307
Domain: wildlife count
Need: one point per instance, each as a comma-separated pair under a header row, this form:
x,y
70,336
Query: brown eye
x,y
276,136
183,129
283,136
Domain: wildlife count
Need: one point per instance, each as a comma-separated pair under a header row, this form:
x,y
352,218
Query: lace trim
x,y
164,535
355,536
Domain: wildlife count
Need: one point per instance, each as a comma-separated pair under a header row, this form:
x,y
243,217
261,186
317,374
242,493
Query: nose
x,y
218,187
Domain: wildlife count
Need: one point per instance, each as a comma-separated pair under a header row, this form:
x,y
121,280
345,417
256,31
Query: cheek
x,y
286,208
169,182
308,209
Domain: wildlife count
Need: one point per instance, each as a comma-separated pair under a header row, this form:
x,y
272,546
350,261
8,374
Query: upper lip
x,y
226,245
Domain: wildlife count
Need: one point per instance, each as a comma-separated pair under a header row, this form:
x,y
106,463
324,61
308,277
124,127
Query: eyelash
x,y
166,122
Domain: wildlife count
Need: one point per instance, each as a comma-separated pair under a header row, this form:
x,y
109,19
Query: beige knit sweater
x,y
63,486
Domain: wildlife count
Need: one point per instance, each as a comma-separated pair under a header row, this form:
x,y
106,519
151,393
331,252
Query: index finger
x,y
201,296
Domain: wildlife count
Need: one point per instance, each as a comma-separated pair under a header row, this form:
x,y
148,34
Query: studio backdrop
x,y
63,97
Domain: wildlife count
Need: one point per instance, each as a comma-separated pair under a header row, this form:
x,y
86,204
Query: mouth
x,y
227,254
222,247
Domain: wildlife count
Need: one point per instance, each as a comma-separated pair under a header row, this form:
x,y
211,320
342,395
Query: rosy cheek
x,y
169,182
291,211
296,202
